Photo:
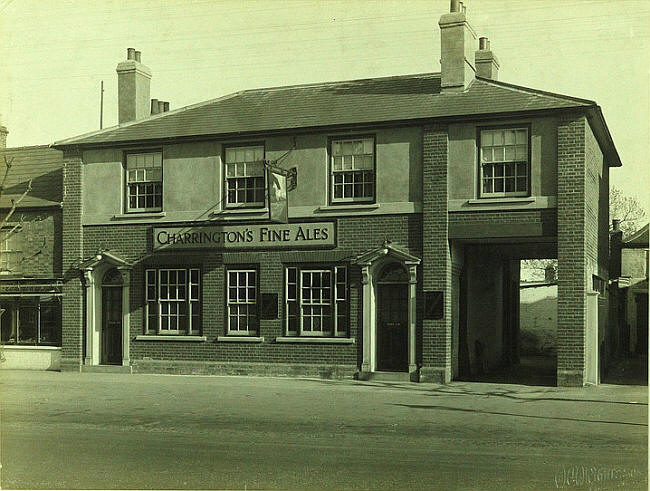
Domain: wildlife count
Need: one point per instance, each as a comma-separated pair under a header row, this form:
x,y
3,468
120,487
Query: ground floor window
x,y
316,302
32,321
173,301
243,318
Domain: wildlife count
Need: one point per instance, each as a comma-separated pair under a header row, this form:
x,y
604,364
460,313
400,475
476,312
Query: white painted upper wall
x,y
193,176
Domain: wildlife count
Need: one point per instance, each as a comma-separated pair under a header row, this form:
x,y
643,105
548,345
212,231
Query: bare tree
x,y
7,232
627,210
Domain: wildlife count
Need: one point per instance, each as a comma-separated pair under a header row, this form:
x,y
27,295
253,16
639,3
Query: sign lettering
x,y
230,237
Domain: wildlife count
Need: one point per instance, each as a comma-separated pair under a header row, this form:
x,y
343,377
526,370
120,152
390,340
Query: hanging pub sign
x,y
277,194
237,237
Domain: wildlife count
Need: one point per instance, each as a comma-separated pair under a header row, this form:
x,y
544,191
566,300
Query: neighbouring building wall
x,y
39,242
538,320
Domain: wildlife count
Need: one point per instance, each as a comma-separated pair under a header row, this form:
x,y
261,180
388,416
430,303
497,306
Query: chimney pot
x,y
616,225
161,107
457,46
454,6
166,106
133,88
483,43
154,106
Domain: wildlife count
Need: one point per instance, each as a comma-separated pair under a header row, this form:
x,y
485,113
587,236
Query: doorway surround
x,y
93,271
372,264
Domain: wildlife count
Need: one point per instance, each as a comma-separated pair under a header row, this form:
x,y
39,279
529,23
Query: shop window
x,y
144,181
173,301
242,305
504,162
245,181
316,302
33,323
352,166
10,253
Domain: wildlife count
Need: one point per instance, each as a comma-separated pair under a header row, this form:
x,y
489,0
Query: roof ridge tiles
x,y
339,82
531,90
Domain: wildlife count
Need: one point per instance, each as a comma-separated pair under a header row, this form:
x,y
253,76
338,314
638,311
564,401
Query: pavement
x,y
118,431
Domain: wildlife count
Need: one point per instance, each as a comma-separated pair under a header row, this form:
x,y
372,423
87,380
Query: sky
x,y
54,53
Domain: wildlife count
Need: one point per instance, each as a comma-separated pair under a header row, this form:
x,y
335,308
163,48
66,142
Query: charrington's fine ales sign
x,y
224,237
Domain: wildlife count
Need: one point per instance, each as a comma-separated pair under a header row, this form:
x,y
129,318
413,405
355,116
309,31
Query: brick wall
x,y
39,240
436,259
354,235
547,217
73,298
581,237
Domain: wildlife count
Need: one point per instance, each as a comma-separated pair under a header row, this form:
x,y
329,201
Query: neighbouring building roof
x,y
366,101
43,165
638,238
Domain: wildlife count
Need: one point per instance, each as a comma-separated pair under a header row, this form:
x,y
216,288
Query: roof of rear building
x,y
376,100
43,165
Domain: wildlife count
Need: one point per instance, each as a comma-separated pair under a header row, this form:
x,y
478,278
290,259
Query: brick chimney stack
x,y
133,88
457,44
486,62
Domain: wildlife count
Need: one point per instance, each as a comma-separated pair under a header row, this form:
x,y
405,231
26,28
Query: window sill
x,y
135,215
240,339
30,346
505,199
314,340
240,211
153,337
349,206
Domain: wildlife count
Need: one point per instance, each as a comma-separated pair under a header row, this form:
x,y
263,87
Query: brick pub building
x,y
416,198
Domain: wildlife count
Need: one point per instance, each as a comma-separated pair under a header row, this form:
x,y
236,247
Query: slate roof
x,y
365,101
42,164
638,239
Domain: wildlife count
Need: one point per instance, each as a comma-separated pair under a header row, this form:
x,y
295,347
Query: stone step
x,y
389,376
106,369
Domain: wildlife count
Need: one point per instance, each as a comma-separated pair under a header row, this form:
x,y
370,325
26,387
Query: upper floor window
x,y
10,253
173,301
144,181
352,164
245,182
504,162
316,302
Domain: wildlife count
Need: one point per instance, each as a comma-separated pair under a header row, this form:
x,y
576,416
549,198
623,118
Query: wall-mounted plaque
x,y
433,305
269,306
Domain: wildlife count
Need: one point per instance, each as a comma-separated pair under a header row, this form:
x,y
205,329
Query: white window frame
x,y
9,256
337,303
144,175
192,295
348,165
505,151
238,172
245,302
